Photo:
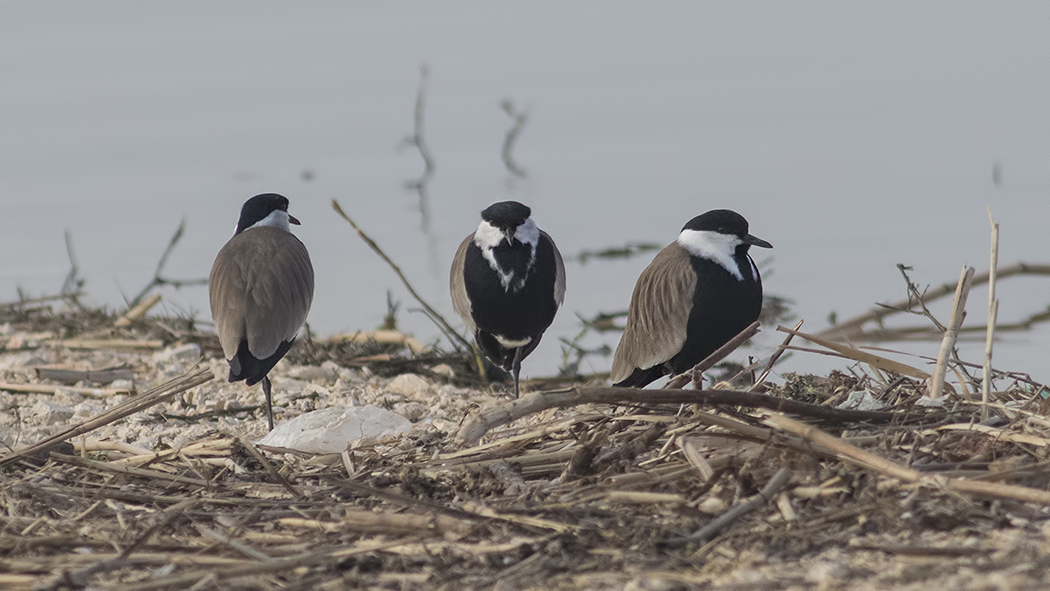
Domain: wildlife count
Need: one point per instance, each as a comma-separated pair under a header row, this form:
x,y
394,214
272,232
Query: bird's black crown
x,y
258,207
506,214
723,221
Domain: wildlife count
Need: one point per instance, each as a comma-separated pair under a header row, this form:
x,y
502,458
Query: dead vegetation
x,y
872,477
584,488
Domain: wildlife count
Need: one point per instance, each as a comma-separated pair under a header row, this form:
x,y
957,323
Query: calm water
x,y
853,137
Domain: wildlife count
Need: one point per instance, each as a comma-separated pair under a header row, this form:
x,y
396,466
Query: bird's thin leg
x,y
516,368
269,405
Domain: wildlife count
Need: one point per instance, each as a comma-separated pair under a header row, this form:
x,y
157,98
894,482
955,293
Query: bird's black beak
x,y
292,220
754,241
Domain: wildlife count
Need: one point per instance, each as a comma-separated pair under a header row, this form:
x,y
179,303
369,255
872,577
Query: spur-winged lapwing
x,y
260,287
507,282
698,293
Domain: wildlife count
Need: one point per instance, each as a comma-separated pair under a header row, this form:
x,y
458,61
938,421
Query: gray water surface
x,y
852,136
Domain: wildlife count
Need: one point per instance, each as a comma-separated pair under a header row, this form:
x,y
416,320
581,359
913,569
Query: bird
x,y
507,282
698,293
260,289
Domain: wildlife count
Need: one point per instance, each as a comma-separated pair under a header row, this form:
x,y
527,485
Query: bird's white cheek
x,y
712,246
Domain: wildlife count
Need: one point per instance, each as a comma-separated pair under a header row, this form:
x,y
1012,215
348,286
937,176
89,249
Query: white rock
x,y
313,373
188,352
331,430
47,412
86,410
412,411
444,369
408,384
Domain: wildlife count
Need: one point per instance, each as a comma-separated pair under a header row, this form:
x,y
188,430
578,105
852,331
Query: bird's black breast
x,y
521,309
722,307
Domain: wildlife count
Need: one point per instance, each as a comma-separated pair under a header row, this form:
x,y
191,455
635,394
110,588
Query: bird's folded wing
x,y
658,315
458,286
559,267
261,290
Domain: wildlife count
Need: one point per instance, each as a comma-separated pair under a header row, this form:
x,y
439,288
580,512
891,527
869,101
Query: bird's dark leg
x,y
516,368
269,405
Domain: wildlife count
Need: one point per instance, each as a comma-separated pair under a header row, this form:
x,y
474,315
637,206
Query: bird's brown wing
x,y
658,315
559,271
458,285
261,287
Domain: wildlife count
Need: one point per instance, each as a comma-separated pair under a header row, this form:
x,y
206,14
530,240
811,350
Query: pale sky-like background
x,y
853,136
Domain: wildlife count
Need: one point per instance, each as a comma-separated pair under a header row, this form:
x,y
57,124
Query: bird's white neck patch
x,y
713,246
487,237
276,218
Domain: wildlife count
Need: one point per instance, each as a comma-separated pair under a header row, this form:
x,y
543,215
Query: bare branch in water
x,y
615,252
73,284
159,280
418,141
519,119
852,328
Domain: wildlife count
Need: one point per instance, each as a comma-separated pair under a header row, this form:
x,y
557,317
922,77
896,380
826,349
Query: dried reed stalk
x,y
993,315
137,312
862,356
868,460
962,290
134,404
774,358
51,389
111,344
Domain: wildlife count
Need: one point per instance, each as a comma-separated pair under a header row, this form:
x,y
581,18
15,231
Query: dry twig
x,y
696,373
453,336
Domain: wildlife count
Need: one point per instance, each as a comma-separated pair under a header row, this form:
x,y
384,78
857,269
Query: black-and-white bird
x,y
261,287
507,283
698,293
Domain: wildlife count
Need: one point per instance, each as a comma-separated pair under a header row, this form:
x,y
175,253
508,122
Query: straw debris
x,y
143,473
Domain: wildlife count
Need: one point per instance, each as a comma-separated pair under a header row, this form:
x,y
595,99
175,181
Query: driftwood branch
x,y
852,328
476,427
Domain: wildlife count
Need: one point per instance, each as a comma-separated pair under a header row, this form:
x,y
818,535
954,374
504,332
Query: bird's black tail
x,y
641,378
245,366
